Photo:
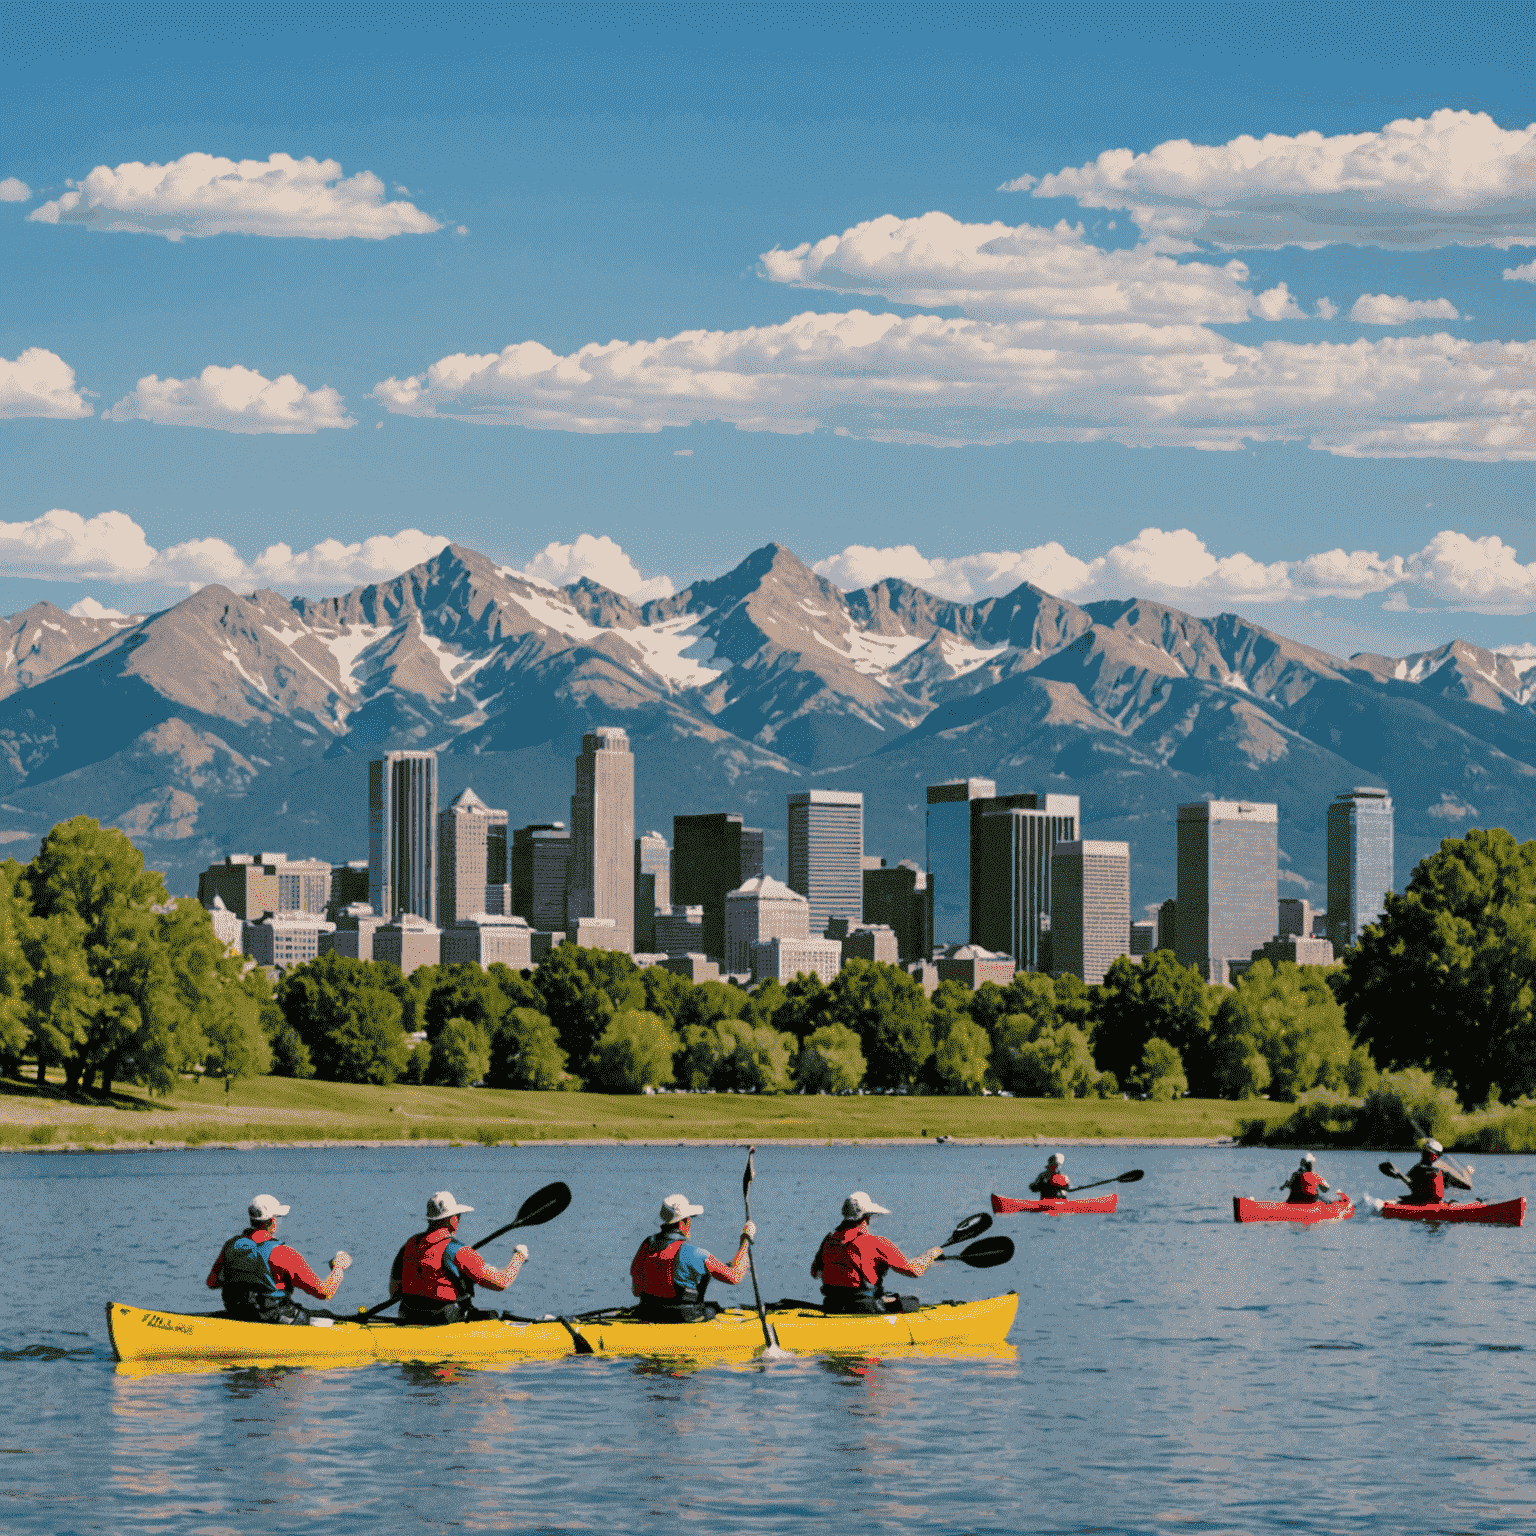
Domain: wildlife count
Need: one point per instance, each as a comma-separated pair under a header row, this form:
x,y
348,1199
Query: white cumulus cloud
x,y
999,271
953,381
1452,571
233,400
112,547
89,608
41,383
1523,274
1384,309
201,195
1453,178
600,559
14,190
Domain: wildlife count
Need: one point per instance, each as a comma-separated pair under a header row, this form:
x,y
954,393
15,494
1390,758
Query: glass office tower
x,y
949,856
1359,863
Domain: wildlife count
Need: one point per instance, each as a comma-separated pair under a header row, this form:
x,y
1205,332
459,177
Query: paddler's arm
x,y
214,1281
396,1285
482,1273
893,1258
738,1265
291,1266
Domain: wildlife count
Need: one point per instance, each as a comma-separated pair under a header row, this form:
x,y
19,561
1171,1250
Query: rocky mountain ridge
x,y
233,722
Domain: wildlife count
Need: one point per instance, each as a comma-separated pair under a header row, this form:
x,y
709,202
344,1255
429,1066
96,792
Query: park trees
x,y
348,1018
525,1052
634,1052
886,1010
1157,999
830,1061
1447,979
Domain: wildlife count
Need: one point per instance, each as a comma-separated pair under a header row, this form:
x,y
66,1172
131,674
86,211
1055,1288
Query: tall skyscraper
x,y
653,887
464,856
826,854
402,835
713,854
1090,907
1228,866
1011,870
602,870
1359,863
540,866
901,898
949,856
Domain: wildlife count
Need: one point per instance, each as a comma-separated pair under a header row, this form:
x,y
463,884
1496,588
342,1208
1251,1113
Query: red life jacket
x,y
655,1269
1054,1186
850,1260
427,1267
1305,1188
1428,1184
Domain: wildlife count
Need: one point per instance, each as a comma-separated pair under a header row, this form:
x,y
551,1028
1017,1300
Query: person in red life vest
x,y
670,1275
852,1262
258,1275
1428,1177
1051,1183
1307,1187
435,1275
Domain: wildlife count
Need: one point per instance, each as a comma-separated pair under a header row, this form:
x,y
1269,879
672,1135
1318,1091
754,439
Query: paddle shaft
x,y
1424,1135
1132,1177
769,1337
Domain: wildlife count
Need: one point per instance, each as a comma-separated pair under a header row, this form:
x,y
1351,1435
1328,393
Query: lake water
x,y
1173,1372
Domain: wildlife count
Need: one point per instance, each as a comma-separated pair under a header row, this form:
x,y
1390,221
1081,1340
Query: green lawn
x,y
281,1109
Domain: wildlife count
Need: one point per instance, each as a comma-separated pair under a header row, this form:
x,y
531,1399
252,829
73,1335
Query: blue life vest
x,y
247,1284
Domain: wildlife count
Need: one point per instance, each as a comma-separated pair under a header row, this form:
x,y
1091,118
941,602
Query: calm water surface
x,y
1173,1372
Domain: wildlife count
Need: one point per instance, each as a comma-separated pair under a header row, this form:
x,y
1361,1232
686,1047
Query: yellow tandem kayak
x,y
172,1339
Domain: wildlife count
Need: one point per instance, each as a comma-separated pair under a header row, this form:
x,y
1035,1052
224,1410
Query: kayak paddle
x,y
987,1254
972,1226
774,1351
1423,1135
1392,1171
541,1206
1135,1176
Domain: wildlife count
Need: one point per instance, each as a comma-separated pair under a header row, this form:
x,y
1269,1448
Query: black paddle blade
x,y
1390,1169
987,1254
972,1226
747,1177
543,1205
1135,1176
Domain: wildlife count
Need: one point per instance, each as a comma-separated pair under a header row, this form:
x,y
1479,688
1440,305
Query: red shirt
x,y
853,1257
287,1266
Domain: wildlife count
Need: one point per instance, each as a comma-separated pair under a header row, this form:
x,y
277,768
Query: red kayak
x,y
1502,1213
1285,1210
1100,1205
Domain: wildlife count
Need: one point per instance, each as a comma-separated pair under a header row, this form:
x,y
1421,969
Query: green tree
x,y
735,1053
830,1061
237,1044
582,990
633,1053
1281,1030
886,1009
1160,1073
960,1057
664,991
461,1054
15,968
348,1016
802,1006
709,1002
525,1052
1158,998
1447,980
1037,1057
460,992
1401,1104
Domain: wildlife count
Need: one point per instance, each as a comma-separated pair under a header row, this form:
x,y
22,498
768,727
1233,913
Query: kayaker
x,y
1306,1185
258,1275
1051,1183
852,1262
670,1275
435,1275
1426,1181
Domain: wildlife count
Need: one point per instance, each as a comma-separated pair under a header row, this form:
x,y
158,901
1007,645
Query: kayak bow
x,y
1099,1205
1284,1210
1502,1213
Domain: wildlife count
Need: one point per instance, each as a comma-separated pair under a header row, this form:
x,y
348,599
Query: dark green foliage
x,y
1160,1073
1398,1099
886,1009
801,1006
582,990
418,1064
709,1002
525,1052
960,1057
634,1052
461,992
1158,998
830,1061
348,1014
1036,1057
664,992
735,1053
290,1056
1447,980
461,1054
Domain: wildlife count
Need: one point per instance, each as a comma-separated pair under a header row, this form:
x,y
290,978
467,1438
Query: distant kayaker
x,y
435,1275
1051,1183
258,1275
670,1275
852,1262
1306,1185
1427,1179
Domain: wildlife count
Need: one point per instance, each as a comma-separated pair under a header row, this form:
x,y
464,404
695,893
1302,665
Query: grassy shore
x,y
275,1109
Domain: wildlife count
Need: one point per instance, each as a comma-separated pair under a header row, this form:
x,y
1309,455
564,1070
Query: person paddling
x,y
670,1275
1426,1181
258,1275
435,1275
1051,1183
1306,1185
852,1262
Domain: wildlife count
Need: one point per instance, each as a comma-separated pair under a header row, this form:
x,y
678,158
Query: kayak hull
x,y
1502,1213
1099,1205
1283,1210
171,1340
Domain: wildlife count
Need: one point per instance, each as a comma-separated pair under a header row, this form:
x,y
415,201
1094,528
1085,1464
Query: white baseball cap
x,y
676,1208
1431,1145
1308,1159
1058,1158
859,1204
263,1208
442,1205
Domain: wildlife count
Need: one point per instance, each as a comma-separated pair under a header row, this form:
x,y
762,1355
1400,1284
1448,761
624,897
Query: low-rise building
x,y
1296,949
784,959
408,942
355,927
599,933
284,939
1143,937
971,965
251,884
871,941
695,967
227,926
679,930
542,940
902,898
486,939
759,909
349,884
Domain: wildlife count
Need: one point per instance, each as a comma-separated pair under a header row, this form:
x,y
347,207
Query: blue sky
x,y
998,405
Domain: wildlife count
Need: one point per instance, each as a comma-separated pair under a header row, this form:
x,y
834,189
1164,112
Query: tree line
x,y
102,974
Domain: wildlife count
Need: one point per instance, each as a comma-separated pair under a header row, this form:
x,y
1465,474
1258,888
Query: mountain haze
x,y
244,722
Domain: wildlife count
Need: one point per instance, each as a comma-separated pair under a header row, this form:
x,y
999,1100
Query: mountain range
x,y
242,723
